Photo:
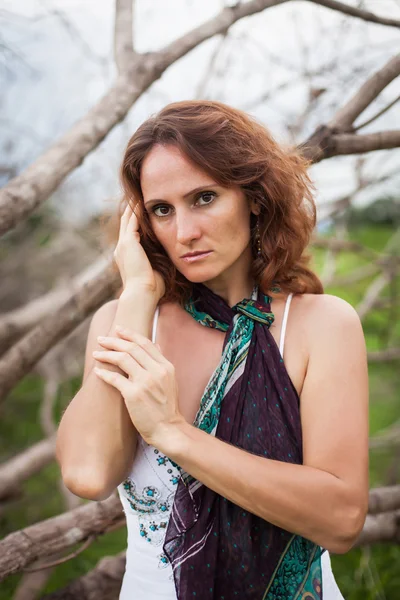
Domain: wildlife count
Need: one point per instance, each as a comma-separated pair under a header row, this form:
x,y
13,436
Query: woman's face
x,y
189,212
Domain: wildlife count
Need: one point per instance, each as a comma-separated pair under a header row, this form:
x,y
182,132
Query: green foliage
x,y
383,211
360,577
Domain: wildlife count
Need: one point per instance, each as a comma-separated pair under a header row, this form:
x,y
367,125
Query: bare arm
x,y
96,439
326,498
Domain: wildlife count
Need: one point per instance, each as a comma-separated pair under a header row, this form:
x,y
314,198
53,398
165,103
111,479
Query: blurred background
x,y
322,75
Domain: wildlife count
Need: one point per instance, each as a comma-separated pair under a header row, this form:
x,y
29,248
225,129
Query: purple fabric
x,y
217,549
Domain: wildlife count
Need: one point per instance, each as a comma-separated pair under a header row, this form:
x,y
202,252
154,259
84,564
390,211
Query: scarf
x,y
218,550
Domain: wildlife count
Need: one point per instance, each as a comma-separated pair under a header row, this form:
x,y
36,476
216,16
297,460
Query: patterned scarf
x,y
218,550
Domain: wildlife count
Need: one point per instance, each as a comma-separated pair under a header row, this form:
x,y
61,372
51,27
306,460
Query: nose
x,y
187,228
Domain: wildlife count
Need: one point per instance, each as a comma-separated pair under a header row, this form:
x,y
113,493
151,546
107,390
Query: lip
x,y
197,256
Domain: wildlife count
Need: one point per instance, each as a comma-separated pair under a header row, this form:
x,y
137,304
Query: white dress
x,y
147,497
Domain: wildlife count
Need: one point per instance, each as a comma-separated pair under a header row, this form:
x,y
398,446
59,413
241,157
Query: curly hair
x,y
234,149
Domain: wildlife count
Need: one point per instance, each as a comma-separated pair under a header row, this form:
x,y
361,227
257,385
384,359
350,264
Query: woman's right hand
x,y
134,266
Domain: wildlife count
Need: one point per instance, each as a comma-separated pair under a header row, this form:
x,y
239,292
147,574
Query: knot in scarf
x,y
255,310
220,315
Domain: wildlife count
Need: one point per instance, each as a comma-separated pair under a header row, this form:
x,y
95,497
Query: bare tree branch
x,y
345,117
332,140
33,580
24,465
372,293
18,321
384,527
388,437
345,143
386,355
384,499
365,15
23,194
25,354
123,34
21,548
324,144
378,114
101,583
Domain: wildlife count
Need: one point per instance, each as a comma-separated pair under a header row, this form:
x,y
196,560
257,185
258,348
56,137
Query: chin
x,y
200,275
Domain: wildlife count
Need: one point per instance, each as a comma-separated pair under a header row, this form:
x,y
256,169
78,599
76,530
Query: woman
x,y
239,466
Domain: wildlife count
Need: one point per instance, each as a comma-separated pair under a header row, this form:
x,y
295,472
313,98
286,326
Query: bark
x,y
101,583
17,322
46,538
365,15
384,527
384,499
23,194
345,117
386,355
123,35
18,361
16,470
333,138
346,144
390,436
22,548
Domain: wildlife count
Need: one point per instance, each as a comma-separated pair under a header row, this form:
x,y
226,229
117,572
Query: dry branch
x,y
22,548
384,527
23,194
352,11
123,34
384,499
386,355
373,292
333,139
344,245
16,470
346,143
16,322
345,117
25,354
390,436
101,583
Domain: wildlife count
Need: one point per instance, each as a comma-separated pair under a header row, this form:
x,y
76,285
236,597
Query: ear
x,y
255,207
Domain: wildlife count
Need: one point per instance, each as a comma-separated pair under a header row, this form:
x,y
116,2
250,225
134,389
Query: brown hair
x,y
234,149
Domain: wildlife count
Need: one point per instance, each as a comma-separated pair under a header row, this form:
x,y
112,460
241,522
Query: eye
x,y
158,207
208,197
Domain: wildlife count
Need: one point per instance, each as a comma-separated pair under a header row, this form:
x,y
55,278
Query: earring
x,y
258,238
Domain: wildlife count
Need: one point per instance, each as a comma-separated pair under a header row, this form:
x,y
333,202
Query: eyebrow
x,y
197,189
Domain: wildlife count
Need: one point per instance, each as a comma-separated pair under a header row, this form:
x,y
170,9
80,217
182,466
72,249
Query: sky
x,y
57,62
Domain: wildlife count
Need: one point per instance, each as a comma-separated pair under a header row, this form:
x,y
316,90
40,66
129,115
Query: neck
x,y
233,291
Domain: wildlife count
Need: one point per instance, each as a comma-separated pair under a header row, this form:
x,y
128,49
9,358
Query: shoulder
x,y
330,322
327,310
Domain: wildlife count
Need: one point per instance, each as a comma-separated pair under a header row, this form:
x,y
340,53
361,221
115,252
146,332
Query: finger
x,y
117,380
145,360
133,223
142,342
123,360
124,220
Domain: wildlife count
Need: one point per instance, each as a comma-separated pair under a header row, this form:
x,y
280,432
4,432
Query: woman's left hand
x,y
149,389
